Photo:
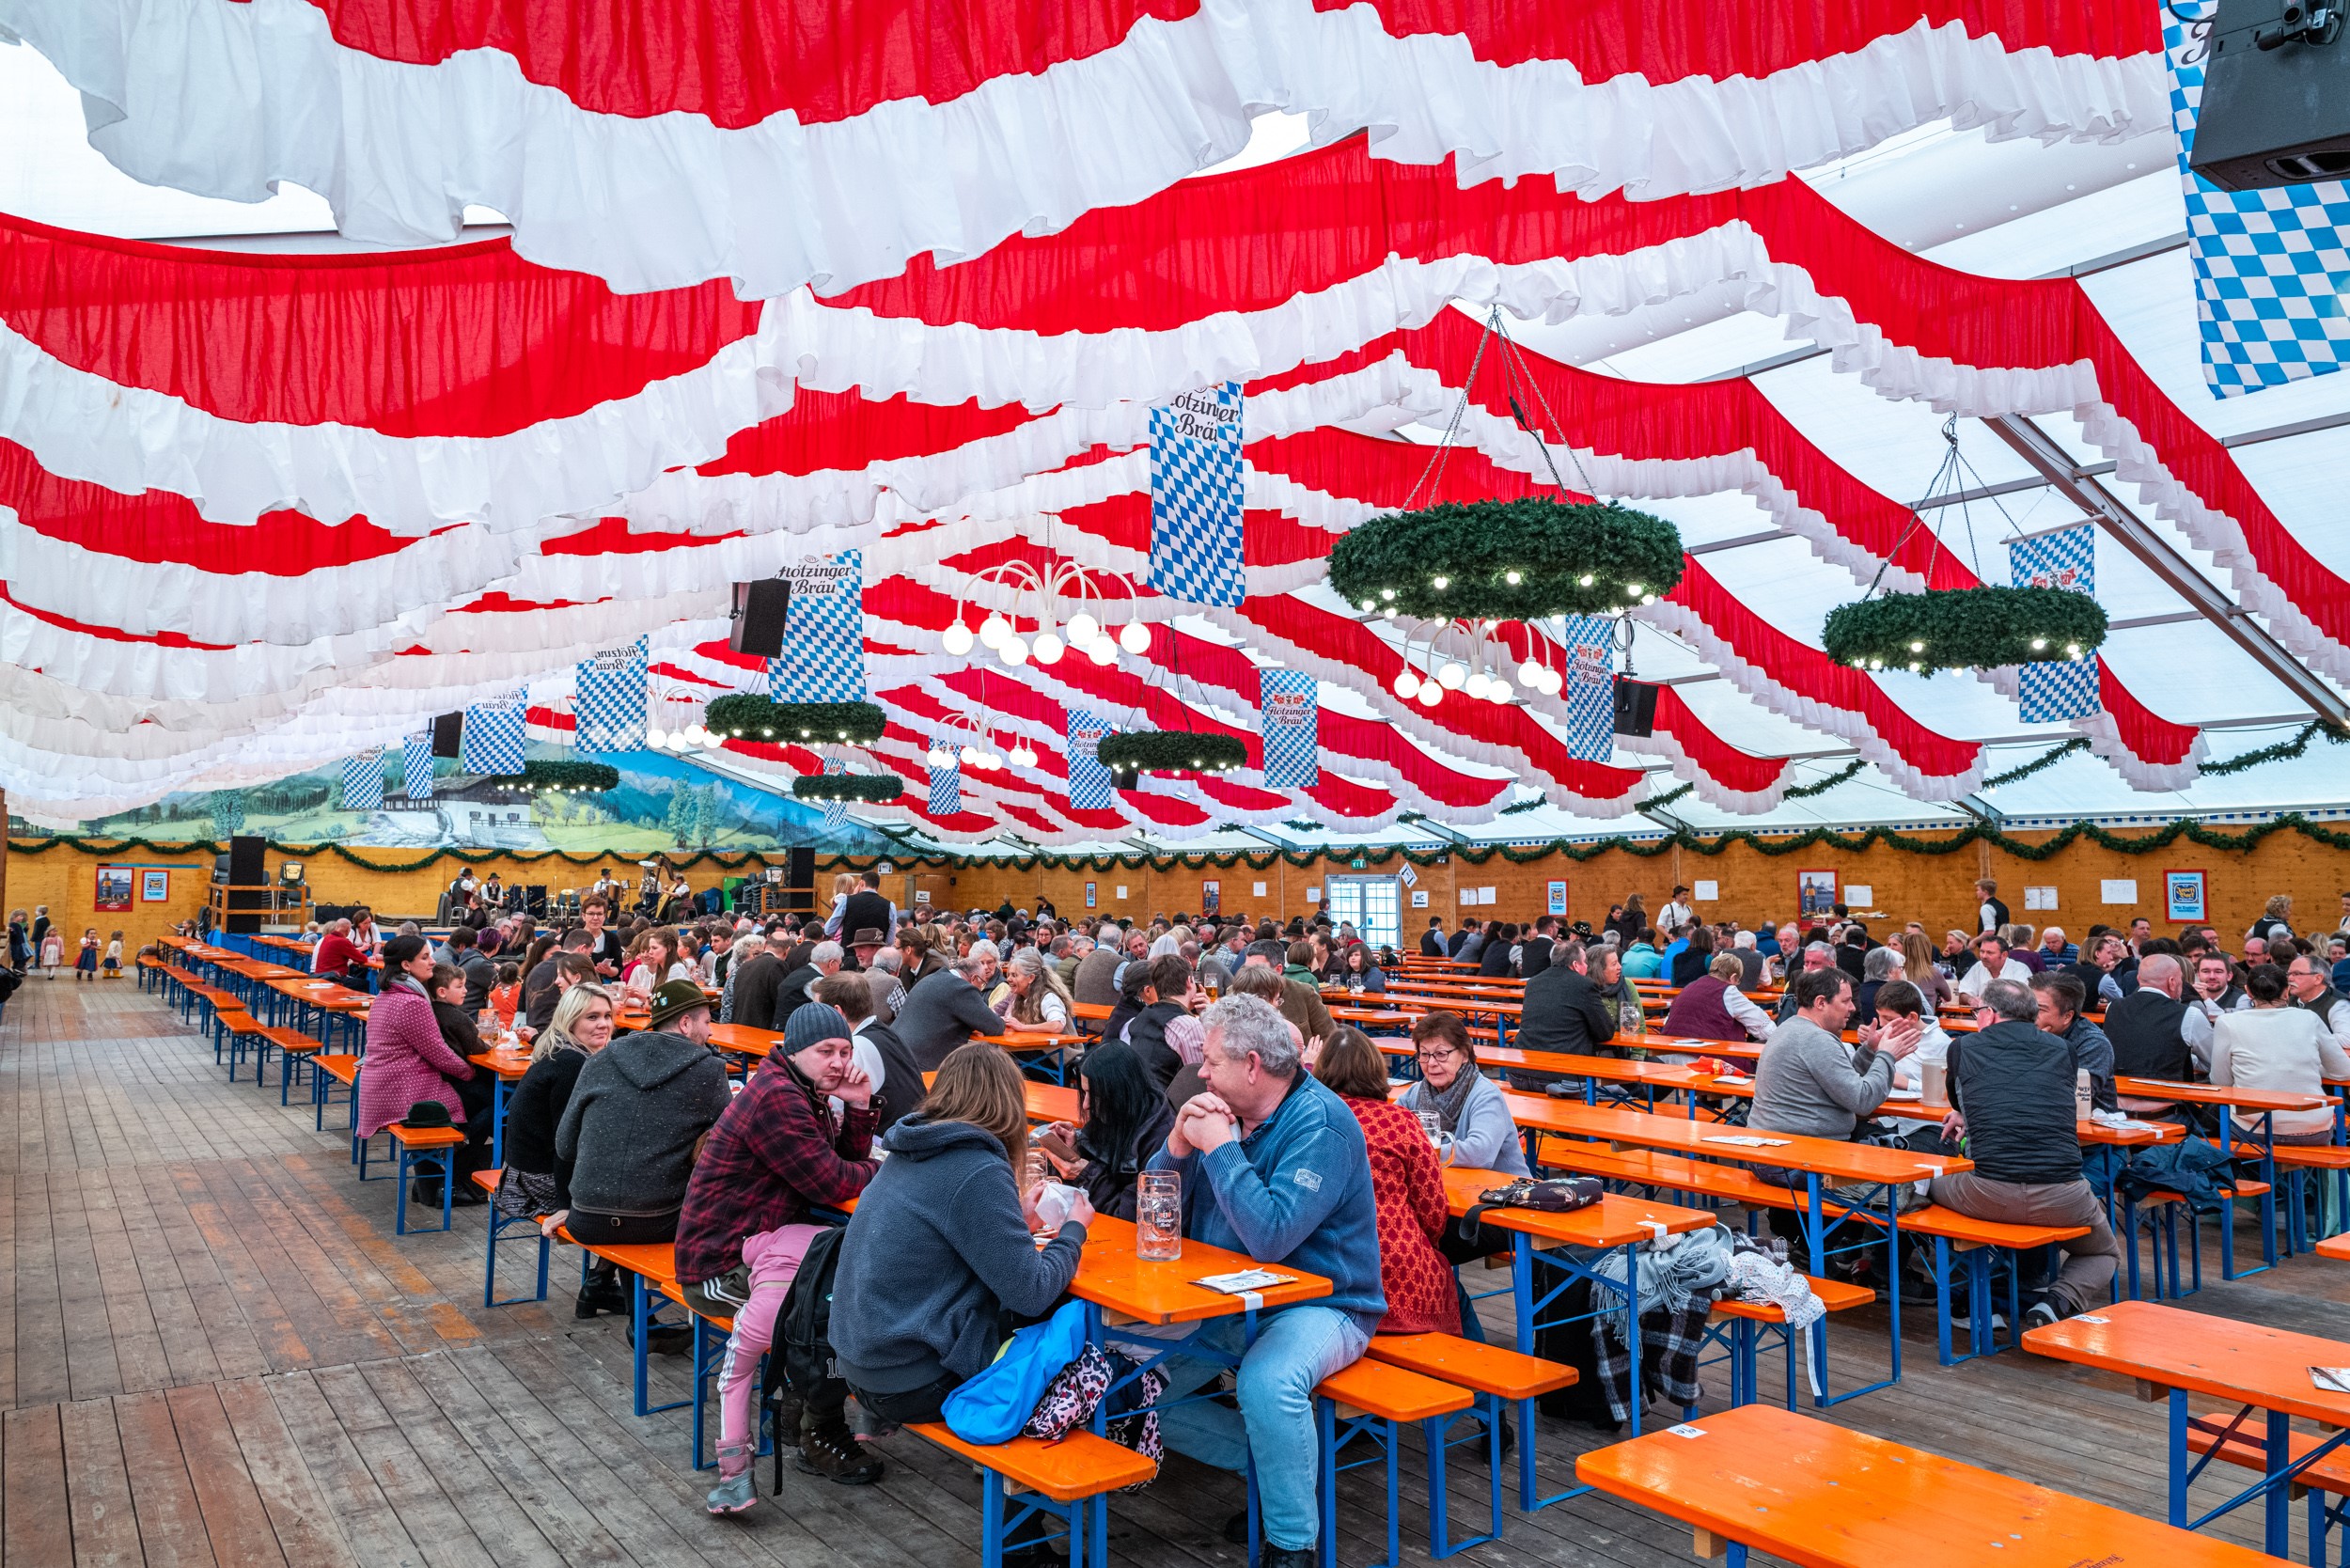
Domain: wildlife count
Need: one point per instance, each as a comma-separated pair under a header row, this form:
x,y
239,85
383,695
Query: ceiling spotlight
x,y
1408,684
1134,638
1453,677
1048,648
1083,629
1102,650
958,639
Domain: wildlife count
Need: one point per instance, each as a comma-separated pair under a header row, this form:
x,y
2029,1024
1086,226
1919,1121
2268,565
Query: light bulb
x,y
1406,684
1498,693
1584,581
1876,664
1453,677
1102,652
1476,684
1647,599
2039,643
1554,683
937,758
1134,638
1387,594
1431,692
958,639
993,630
712,740
1048,648
1512,578
1083,629
1440,584
2072,649
971,756
1531,675
692,734
1014,651
1633,589
656,738
1915,669
1917,648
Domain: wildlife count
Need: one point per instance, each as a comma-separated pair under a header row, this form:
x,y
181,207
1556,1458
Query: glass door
x,y
1373,905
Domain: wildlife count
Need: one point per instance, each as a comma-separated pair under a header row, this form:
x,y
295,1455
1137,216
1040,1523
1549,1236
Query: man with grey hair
x,y
1818,955
794,992
1751,965
1879,967
945,1009
2011,1100
1272,1165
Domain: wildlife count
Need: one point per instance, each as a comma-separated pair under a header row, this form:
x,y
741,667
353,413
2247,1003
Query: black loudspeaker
x,y
1130,779
1635,707
448,728
2276,96
759,613
247,868
535,898
802,871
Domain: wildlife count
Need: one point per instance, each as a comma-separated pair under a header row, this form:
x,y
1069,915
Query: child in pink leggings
x,y
773,1258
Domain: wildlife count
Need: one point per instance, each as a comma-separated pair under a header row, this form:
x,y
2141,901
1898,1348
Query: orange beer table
x,y
1821,1496
2258,1369
2260,1101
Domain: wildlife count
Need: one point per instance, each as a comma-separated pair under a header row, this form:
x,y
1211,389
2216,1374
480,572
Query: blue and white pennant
x,y
835,812
947,782
1090,787
415,765
1590,641
1289,708
2054,690
362,781
609,701
824,632
1196,496
494,740
2270,266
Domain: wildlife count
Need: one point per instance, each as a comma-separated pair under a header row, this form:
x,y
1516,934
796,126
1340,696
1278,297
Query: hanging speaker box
x,y
1635,707
760,608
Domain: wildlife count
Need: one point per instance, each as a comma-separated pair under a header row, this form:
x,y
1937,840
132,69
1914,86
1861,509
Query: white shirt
x,y
1756,1022
1979,977
2279,1048
1986,916
1672,916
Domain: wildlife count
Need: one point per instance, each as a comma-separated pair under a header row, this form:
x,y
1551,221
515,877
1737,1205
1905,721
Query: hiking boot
x,y
1288,1557
733,1492
833,1451
1236,1528
601,1296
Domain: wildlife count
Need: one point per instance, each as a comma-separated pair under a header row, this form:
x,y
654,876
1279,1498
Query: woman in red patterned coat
x,y
1408,1182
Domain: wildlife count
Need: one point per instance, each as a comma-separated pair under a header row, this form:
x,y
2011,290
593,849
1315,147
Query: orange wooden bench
x,y
2162,1238
1765,1479
418,1149
2336,1248
326,1069
498,1227
1745,1322
1375,1399
1026,1478
651,1267
1495,1374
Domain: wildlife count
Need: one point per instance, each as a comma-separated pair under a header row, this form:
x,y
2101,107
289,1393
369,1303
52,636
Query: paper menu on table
x,y
1242,1280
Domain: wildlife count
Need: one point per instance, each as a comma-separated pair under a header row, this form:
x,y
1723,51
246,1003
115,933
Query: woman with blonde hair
x,y
938,1266
535,1183
843,886
1920,968
1035,1000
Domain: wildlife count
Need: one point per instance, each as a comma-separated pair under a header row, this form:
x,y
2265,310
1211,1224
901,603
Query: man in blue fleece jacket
x,y
1273,1166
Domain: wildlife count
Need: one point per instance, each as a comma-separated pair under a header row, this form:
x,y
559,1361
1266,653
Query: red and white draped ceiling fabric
x,y
659,143
257,513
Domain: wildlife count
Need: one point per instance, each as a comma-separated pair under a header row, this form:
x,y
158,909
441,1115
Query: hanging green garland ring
x,y
1976,628
869,789
1507,561
747,716
1170,751
570,777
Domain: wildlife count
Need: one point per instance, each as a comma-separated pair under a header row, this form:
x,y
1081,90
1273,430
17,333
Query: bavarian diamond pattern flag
x,y
1590,693
824,632
1090,785
415,765
1196,496
946,783
2270,266
608,704
494,742
835,812
362,781
1288,707
2057,689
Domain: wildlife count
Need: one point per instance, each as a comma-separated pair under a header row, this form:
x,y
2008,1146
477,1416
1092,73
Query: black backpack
x,y
802,1357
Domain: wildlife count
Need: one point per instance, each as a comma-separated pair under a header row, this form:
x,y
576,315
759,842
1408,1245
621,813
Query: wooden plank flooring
x,y
213,1352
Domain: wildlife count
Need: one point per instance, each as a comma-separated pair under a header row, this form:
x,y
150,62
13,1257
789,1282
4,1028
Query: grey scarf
x,y
1448,1104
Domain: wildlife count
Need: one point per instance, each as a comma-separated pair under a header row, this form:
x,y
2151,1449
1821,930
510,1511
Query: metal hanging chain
x,y
1958,476
1453,426
1513,364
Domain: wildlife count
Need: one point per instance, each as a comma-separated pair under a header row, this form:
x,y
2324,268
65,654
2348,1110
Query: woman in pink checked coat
x,y
407,1060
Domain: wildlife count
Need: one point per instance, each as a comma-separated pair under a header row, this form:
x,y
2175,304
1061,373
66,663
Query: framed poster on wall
x,y
2182,896
1558,904
155,886
1815,892
1211,898
114,891
1093,894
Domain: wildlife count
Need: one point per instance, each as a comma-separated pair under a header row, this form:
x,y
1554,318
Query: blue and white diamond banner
x,y
1196,496
824,632
1090,788
835,812
2270,266
415,765
362,781
1289,706
609,702
1590,641
2057,689
947,782
494,742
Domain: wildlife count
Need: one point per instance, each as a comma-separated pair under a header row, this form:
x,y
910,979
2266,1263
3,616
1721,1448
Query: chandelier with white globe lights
x,y
1038,594
673,722
969,740
1471,658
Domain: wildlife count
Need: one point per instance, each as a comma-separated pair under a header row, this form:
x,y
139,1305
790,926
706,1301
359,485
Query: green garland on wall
x,y
722,859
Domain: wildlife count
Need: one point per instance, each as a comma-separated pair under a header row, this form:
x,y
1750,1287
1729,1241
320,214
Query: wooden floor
x,y
213,1351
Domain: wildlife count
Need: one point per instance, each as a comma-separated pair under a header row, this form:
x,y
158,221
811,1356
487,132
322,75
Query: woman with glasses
x,y
1468,1105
